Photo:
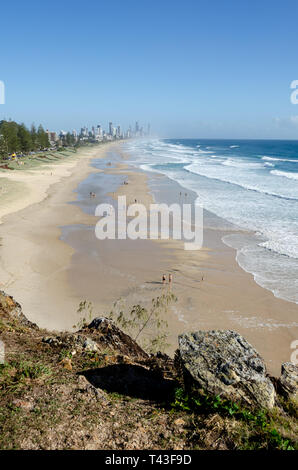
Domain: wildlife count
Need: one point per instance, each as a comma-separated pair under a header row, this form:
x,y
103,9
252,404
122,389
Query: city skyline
x,y
99,134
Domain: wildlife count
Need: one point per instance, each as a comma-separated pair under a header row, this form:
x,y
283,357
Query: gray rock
x,y
86,387
224,363
108,335
288,381
90,345
53,341
100,323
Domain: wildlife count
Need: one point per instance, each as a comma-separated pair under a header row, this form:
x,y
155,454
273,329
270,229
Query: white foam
x,y
242,164
230,178
286,174
270,208
276,159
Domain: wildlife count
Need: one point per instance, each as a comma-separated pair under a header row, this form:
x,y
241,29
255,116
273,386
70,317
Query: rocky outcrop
x,y
12,309
105,332
288,381
74,341
224,363
101,334
216,362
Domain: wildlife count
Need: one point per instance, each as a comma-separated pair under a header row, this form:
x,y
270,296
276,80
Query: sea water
x,y
251,184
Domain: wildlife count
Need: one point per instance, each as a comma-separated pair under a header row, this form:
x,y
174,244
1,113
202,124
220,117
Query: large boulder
x,y
224,363
288,381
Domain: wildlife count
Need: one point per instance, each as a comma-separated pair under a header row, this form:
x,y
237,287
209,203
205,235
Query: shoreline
x,y
228,298
50,272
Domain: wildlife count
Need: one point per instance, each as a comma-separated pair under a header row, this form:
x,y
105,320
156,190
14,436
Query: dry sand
x,y
33,259
50,277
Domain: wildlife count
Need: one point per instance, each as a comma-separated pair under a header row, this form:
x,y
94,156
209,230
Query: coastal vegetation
x,y
98,389
147,326
16,138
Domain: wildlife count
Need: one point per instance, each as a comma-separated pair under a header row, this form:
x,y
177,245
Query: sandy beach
x,y
34,260
50,259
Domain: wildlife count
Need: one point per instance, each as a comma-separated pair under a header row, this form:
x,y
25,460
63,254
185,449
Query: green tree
x,y
24,137
42,138
9,132
33,137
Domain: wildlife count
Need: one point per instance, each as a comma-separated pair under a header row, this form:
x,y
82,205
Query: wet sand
x,y
227,298
50,260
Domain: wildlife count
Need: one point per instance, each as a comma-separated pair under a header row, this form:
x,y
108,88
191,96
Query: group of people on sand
x,y
164,279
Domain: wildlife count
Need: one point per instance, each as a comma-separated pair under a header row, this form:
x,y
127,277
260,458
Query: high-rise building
x,y
52,136
99,131
84,131
137,127
110,128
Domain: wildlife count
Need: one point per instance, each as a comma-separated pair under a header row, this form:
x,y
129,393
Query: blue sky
x,y
213,68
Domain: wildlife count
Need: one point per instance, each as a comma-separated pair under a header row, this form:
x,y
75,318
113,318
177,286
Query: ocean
x,y
251,186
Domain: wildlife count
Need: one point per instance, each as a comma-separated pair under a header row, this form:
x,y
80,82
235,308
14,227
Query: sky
x,y
192,68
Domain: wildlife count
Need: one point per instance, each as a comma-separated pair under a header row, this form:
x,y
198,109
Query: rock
x,y
53,341
179,422
288,381
90,345
100,323
24,404
72,342
86,387
66,363
224,363
104,331
13,309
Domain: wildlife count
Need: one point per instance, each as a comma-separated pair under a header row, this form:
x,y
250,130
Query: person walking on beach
x,y
164,279
170,279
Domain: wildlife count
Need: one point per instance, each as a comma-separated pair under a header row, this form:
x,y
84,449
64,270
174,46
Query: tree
x,y
42,138
9,132
33,137
24,137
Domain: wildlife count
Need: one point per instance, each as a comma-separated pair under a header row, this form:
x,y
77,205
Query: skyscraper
x,y
99,131
84,131
110,128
